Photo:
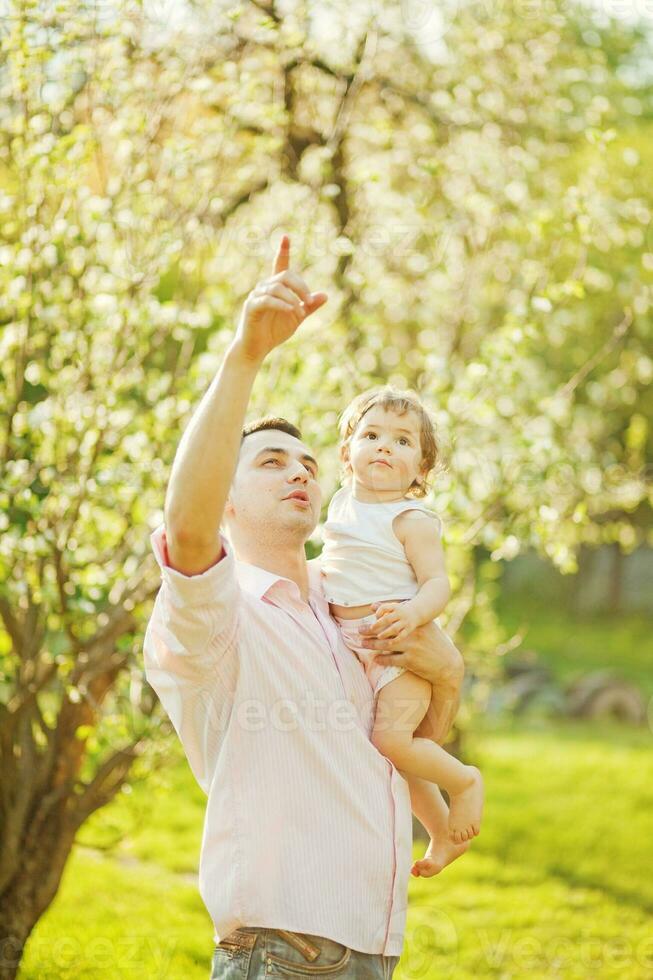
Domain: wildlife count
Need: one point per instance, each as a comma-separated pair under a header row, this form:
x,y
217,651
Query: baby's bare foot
x,y
439,854
465,809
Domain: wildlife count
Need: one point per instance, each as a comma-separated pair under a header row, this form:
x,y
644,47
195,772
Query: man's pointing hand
x,y
275,308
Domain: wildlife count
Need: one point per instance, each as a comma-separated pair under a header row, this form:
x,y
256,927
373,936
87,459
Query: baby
x,y
382,546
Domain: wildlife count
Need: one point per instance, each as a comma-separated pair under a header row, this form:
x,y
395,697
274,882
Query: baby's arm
x,y
420,536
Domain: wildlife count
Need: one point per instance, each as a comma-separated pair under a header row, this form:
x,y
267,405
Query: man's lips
x,y
298,495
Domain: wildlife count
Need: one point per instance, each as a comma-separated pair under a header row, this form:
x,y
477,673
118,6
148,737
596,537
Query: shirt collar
x,y
258,581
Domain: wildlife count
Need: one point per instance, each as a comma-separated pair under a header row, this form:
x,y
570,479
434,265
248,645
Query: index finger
x,y
282,258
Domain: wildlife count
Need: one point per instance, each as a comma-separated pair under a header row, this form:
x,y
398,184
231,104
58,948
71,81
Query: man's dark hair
x,y
270,422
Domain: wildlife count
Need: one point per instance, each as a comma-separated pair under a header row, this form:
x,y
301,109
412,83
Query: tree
x,y
440,183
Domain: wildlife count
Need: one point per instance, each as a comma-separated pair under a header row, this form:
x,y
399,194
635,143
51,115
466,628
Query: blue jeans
x,y
257,953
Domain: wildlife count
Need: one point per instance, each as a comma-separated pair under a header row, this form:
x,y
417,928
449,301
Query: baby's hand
x,y
399,619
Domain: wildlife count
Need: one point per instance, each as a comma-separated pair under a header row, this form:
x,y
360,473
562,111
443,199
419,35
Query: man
x,y
307,838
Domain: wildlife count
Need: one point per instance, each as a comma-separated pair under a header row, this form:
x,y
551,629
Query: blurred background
x,y
471,183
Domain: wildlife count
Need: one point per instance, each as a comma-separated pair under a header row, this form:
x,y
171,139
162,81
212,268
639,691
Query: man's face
x,y
275,486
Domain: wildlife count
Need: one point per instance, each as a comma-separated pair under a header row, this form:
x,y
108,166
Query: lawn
x,y
555,886
573,645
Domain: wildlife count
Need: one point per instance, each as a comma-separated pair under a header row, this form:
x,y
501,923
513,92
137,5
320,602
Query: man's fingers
x,y
273,303
376,643
389,634
317,300
390,660
390,626
282,292
282,273
282,258
294,282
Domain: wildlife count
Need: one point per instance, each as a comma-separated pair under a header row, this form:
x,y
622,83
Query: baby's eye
x,y
371,435
404,441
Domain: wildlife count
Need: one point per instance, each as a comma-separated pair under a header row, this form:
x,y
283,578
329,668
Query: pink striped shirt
x,y
308,827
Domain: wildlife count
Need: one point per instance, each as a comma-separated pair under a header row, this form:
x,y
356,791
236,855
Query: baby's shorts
x,y
377,674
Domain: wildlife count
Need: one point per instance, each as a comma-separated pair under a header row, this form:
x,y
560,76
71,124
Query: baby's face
x,y
385,450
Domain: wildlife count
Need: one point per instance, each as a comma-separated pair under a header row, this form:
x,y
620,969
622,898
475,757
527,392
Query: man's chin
x,y
303,521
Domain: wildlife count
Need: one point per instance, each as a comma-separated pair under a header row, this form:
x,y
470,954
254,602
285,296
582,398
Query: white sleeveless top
x,y
363,560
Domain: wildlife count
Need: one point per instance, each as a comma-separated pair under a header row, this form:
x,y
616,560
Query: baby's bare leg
x,y
430,809
402,704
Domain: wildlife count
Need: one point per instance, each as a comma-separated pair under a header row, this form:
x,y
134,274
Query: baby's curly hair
x,y
395,400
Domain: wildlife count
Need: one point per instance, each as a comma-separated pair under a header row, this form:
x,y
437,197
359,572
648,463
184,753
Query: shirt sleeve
x,y
191,654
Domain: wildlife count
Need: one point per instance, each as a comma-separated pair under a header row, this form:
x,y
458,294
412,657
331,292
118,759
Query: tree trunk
x,y
15,927
581,583
43,803
616,578
29,894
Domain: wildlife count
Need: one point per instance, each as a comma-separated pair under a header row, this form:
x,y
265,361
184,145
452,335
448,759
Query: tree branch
x,y
12,626
603,352
105,784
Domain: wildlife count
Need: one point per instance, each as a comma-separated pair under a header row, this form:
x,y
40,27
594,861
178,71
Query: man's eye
x,y
270,461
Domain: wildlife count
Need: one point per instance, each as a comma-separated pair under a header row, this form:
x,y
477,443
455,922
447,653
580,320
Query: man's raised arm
x,y
207,455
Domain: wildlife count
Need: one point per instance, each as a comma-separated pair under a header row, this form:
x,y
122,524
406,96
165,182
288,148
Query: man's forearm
x,y
206,458
442,711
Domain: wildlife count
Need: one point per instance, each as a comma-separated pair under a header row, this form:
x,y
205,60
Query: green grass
x,y
573,645
112,920
556,885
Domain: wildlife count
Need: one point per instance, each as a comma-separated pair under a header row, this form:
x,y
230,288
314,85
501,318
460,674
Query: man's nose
x,y
300,473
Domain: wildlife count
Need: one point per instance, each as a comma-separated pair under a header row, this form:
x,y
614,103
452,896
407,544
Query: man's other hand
x,y
427,651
